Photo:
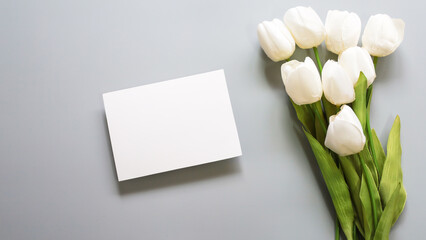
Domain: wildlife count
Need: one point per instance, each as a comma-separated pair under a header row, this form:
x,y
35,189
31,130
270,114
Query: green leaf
x,y
367,209
319,108
369,96
380,153
351,172
392,172
336,186
393,208
367,114
366,156
359,226
319,130
305,116
330,109
369,135
360,104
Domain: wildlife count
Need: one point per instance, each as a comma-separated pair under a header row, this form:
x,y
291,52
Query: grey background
x,y
57,178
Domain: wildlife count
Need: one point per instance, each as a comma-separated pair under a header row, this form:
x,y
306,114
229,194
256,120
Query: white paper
x,y
170,125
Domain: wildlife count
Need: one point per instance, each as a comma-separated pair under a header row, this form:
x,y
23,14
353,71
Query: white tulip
x,y
336,84
275,40
355,60
344,134
382,35
302,81
306,26
343,30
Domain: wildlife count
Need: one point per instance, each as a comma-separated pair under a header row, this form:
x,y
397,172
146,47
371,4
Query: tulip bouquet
x,y
364,182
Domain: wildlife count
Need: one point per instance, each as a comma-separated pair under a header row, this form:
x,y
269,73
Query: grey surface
x,y
57,178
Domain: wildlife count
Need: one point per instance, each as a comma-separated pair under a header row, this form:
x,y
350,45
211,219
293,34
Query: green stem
x,y
318,59
370,190
370,142
317,115
320,71
369,92
337,230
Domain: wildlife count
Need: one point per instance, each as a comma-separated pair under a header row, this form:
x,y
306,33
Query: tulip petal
x,y
306,26
351,31
337,86
344,138
287,68
400,26
275,40
344,134
343,30
355,60
300,87
302,81
382,35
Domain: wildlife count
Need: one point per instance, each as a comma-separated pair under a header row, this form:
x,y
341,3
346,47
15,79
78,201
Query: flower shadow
x,y
309,155
272,72
388,68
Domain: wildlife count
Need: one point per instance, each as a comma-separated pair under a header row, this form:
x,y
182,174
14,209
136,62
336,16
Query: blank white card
x,y
170,125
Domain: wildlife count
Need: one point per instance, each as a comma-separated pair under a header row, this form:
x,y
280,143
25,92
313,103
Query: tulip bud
x,y
302,81
306,26
355,60
344,134
382,35
338,87
343,30
275,40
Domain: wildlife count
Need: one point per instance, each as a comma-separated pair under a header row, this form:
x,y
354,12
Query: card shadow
x,y
184,176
